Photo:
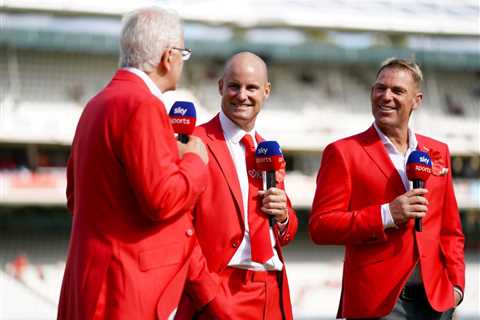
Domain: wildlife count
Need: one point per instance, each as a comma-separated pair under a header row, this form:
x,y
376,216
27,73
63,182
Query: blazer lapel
x,y
220,152
421,145
376,151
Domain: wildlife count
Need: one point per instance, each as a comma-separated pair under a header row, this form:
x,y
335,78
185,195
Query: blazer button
x,y
235,244
189,232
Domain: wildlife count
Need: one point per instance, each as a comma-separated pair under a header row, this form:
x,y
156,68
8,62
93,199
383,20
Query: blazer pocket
x,y
364,255
169,254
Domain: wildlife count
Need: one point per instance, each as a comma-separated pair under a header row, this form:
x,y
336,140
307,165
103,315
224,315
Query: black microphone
x,y
183,117
419,168
269,158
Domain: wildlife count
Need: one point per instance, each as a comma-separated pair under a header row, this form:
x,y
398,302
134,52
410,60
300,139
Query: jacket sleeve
x,y
451,235
331,221
164,185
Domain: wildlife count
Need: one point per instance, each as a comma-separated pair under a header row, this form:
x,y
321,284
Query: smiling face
x,y
394,96
244,88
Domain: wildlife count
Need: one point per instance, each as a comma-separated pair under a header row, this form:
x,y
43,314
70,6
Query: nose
x,y
242,94
386,95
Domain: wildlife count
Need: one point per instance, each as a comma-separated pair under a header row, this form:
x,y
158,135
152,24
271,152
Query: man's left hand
x,y
275,203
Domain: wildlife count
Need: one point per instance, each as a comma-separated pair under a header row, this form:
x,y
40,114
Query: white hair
x,y
146,34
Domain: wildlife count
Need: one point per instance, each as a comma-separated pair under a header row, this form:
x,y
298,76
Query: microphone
x,y
269,158
419,168
183,117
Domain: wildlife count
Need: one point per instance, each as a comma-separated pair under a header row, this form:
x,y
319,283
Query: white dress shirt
x,y
243,256
399,161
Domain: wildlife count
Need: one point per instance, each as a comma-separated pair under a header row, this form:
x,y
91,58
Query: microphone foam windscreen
x,y
183,117
419,166
269,157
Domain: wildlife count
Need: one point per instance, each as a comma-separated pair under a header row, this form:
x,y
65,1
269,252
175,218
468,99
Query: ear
x,y
268,89
165,64
220,86
417,100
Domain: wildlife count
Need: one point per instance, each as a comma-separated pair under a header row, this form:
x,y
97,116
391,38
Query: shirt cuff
x,y
387,219
460,292
282,226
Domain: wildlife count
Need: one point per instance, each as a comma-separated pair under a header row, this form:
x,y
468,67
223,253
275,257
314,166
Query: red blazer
x,y
131,197
219,211
355,178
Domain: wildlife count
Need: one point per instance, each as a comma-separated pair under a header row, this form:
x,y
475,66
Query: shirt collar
x,y
148,82
412,139
231,131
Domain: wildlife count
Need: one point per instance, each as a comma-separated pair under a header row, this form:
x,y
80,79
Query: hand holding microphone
x,y
269,159
413,204
419,169
274,204
194,145
183,118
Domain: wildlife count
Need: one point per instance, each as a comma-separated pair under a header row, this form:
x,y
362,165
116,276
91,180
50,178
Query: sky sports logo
x,y
264,160
425,160
422,168
268,148
262,151
180,120
180,110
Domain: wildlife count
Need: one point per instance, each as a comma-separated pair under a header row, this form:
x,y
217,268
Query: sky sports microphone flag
x,y
419,169
269,158
183,118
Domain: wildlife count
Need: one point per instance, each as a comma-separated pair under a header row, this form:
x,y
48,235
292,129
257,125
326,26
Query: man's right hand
x,y
195,145
410,205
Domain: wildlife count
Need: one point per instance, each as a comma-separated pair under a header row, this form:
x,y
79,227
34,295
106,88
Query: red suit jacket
x,y
219,212
132,241
356,177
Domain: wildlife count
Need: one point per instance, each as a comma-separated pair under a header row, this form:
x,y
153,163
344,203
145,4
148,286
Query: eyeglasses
x,y
186,52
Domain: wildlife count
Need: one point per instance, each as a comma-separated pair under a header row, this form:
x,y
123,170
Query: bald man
x,y
231,217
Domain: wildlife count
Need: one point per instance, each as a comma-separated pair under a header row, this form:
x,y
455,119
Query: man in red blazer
x,y
255,288
365,202
131,190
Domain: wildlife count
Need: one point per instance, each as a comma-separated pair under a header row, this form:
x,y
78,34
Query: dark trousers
x,y
413,305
